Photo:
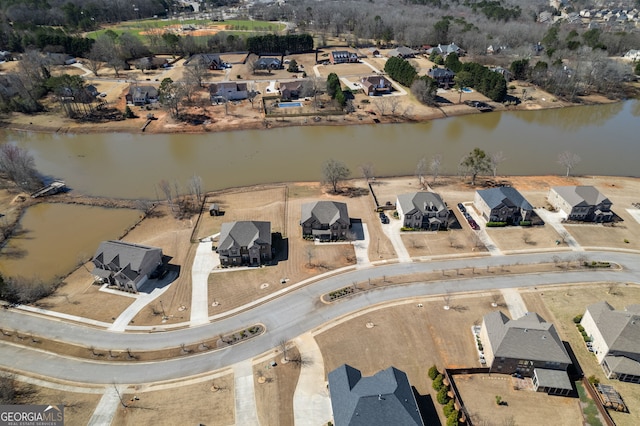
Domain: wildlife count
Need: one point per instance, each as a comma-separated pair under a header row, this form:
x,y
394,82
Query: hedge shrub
x,y
437,382
433,372
443,397
496,224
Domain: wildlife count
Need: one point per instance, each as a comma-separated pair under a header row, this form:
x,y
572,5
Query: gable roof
x,y
325,212
206,58
383,399
529,337
268,62
244,234
291,85
227,86
440,73
143,91
619,329
124,254
580,195
423,202
504,194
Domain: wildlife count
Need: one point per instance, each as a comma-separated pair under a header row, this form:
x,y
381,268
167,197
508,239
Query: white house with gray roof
x,y
615,338
245,243
584,203
529,346
326,220
383,399
125,265
422,210
502,204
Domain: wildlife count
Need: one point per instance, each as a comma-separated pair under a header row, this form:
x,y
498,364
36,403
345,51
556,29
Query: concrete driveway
x,y
555,220
393,231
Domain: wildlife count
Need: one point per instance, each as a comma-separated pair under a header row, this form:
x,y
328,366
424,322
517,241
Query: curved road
x,y
285,317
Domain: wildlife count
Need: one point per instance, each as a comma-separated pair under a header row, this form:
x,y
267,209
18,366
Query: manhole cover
x,y
263,286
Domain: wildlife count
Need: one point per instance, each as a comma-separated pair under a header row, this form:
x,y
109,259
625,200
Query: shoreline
x,y
52,123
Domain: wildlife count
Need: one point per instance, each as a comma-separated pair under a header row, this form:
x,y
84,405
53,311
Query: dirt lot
x,y
425,334
80,297
524,407
209,402
274,392
561,305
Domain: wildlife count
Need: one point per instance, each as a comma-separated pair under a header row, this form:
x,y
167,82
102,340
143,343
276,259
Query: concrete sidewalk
x,y
204,261
245,396
106,409
311,402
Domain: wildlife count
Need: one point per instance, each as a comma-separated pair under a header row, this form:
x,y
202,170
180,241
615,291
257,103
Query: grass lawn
x,y
589,409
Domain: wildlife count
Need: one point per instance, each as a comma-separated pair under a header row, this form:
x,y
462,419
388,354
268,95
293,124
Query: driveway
x,y
555,220
482,232
393,231
204,262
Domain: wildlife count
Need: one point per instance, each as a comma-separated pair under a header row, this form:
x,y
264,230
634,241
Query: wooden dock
x,y
53,188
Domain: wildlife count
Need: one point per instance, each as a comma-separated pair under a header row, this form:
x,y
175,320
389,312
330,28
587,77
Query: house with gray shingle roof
x,y
384,399
445,50
422,210
584,203
125,265
245,243
375,85
502,204
529,346
615,338
327,220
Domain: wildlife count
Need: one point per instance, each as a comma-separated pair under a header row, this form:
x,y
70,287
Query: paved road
x,y
290,315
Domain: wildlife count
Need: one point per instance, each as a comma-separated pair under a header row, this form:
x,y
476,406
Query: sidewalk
x,y
555,220
311,402
106,409
245,397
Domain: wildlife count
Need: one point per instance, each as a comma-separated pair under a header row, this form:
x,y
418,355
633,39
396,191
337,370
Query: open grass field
x,y
194,27
209,402
561,305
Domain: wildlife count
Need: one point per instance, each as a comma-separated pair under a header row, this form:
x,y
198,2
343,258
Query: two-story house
x,y
423,210
343,57
583,203
245,243
444,76
375,85
615,339
125,265
326,220
141,95
528,346
502,204
227,91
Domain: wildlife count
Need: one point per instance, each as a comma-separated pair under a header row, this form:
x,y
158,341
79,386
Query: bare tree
x,y
301,360
334,172
195,186
568,160
282,345
382,105
496,159
18,165
197,70
434,166
394,104
421,169
310,252
165,187
367,171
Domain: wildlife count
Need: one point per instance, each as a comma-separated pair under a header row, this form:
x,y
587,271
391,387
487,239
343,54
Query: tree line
x,y
286,44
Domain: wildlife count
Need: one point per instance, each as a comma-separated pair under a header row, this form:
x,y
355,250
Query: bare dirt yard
x,y
561,305
428,335
209,402
274,388
522,407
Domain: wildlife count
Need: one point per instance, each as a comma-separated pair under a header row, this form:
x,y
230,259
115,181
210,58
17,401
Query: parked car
x,y
462,208
384,218
467,216
473,225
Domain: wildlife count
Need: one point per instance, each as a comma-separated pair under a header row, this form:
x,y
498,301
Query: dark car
x,y
462,208
467,216
473,225
384,218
